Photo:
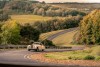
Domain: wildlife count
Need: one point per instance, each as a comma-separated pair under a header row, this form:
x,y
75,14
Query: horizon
x,y
62,1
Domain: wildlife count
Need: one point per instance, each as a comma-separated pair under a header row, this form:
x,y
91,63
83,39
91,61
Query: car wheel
x,y
37,49
28,49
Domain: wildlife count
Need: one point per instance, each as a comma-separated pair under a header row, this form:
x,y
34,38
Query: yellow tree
x,y
10,33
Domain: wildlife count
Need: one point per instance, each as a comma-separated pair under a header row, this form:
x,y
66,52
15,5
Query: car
x,y
37,46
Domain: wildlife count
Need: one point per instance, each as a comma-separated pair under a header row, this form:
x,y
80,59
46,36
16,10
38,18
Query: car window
x,y
37,43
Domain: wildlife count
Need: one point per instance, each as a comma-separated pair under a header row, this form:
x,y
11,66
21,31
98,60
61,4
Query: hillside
x,y
87,7
60,40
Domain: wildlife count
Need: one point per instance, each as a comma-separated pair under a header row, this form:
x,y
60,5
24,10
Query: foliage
x,y
90,29
2,3
43,9
89,57
57,24
10,33
98,58
29,33
48,43
3,16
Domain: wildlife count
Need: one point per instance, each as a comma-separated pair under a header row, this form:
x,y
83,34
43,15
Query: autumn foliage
x,y
90,29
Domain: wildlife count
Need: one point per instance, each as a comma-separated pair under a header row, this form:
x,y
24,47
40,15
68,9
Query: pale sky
x,y
91,1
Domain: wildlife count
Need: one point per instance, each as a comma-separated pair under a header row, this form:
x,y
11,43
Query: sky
x,y
90,1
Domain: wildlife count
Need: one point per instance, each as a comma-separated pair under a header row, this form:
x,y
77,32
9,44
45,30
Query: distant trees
x,y
2,3
43,9
3,16
57,23
55,11
89,32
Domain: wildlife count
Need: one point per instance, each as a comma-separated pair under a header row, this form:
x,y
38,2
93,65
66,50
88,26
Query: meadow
x,y
28,18
88,53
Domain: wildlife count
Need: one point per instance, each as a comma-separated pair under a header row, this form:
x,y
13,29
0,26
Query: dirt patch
x,y
40,57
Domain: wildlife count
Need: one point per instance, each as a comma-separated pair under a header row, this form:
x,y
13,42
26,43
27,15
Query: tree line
x,y
43,9
57,24
89,32
4,16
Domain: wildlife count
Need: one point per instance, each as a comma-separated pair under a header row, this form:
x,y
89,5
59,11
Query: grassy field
x,y
28,18
64,39
86,54
46,35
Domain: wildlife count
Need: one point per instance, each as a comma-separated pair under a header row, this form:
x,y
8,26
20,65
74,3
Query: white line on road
x,y
27,57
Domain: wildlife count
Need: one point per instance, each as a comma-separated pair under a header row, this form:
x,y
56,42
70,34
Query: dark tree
x,y
29,33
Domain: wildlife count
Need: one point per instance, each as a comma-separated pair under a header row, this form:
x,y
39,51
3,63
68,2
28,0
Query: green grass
x,y
75,55
28,18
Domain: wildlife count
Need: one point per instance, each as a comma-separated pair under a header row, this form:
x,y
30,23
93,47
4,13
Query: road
x,y
60,33
20,57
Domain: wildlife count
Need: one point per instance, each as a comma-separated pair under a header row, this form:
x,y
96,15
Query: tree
x,y
35,11
27,32
3,16
10,33
90,28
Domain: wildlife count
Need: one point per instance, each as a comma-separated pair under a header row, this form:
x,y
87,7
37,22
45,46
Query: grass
x,y
64,39
48,34
28,18
75,55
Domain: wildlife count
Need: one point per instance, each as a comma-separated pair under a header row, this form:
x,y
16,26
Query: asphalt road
x,y
60,33
20,57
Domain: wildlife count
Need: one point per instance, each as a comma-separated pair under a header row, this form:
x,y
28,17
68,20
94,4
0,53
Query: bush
x,y
89,57
74,58
98,58
48,43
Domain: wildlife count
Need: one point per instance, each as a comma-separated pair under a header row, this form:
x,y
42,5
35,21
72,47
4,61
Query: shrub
x,y
89,57
48,43
98,58
74,58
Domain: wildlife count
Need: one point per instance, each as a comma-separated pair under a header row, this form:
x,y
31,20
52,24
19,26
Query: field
x,y
86,54
48,34
28,18
64,39
78,6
